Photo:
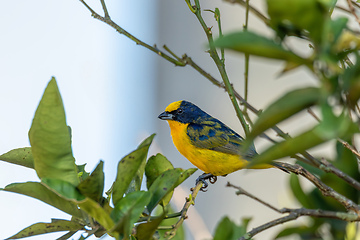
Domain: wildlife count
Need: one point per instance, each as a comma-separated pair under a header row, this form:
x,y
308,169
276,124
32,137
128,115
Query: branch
x,y
252,9
189,201
325,189
293,214
352,10
329,168
120,30
220,65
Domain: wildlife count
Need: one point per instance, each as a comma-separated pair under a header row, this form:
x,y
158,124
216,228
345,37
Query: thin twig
x,y
352,10
254,231
252,9
120,30
106,13
183,216
241,191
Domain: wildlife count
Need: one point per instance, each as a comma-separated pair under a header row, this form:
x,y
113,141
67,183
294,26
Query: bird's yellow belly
x,y
209,161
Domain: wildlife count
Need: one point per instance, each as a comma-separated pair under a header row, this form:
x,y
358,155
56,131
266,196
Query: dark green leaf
x,y
93,186
128,169
40,192
19,156
137,180
285,107
165,183
251,43
351,79
54,226
128,210
299,193
145,231
333,126
300,230
289,147
50,139
228,230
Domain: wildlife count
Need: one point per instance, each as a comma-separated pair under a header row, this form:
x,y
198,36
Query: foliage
x,y
332,203
334,46
71,189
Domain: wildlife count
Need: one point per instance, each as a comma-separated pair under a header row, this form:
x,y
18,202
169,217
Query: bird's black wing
x,y
217,136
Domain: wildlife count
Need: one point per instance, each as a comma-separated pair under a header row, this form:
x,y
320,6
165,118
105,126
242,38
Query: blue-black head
x,y
184,112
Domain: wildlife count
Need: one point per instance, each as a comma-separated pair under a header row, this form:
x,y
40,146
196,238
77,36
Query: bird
x,y
207,142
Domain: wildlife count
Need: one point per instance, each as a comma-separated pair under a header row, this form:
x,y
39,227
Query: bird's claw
x,y
206,176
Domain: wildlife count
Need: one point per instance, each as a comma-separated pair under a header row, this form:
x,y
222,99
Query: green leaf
x,y
67,235
68,191
295,16
299,230
81,172
165,183
95,210
40,192
128,210
93,186
254,44
137,180
299,193
155,166
333,126
41,228
145,231
64,189
351,78
127,170
19,156
228,230
289,147
50,139
285,107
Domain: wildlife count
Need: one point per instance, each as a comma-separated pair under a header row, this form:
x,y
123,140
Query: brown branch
x,y
324,189
183,216
122,31
293,214
352,10
329,168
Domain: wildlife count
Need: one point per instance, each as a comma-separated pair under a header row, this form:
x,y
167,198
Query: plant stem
x,y
221,67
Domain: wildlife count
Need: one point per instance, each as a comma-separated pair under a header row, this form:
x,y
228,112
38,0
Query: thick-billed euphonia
x,y
207,142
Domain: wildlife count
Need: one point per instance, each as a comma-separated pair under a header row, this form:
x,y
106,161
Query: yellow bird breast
x,y
207,160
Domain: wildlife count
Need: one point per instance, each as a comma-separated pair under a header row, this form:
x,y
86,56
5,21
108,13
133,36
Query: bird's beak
x,y
166,116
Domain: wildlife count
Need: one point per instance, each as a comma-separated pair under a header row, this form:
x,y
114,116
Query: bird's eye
x,y
179,111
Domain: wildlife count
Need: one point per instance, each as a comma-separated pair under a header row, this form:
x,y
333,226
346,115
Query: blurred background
x,y
113,91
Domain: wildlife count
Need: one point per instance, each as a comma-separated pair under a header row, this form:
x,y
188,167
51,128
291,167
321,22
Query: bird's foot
x,y
206,176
